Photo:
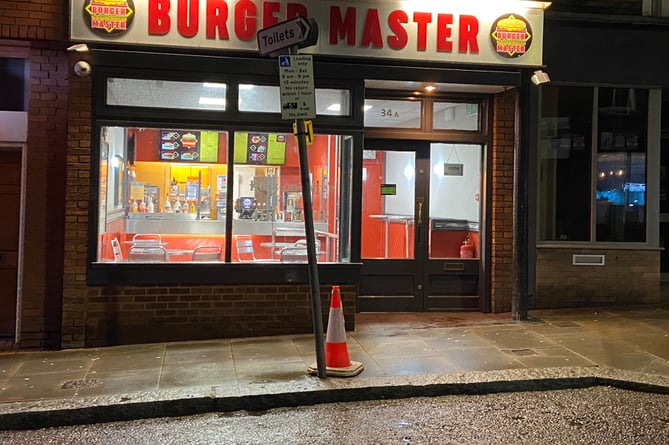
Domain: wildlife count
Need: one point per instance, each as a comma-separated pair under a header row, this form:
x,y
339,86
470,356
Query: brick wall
x,y
559,284
501,273
33,19
36,30
160,313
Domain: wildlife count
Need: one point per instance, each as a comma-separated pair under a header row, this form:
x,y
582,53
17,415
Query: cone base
x,y
350,371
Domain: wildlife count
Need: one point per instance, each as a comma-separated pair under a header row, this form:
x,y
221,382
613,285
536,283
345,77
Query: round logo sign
x,y
511,36
108,17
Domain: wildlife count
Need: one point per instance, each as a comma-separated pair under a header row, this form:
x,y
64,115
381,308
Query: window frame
x,y
231,121
652,154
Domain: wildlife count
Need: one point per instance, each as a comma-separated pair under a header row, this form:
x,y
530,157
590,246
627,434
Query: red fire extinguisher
x,y
467,248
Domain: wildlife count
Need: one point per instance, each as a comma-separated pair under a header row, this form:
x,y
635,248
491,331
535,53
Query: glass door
x,y
420,242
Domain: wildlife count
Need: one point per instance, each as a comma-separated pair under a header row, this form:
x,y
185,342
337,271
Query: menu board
x,y
260,148
188,146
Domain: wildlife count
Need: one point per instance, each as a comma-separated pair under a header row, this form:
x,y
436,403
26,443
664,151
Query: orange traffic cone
x,y
337,361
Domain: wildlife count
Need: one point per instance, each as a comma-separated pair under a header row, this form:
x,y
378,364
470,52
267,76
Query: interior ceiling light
x,y
430,88
212,101
334,107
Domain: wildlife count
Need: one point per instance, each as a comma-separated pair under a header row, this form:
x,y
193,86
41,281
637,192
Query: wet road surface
x,y
597,415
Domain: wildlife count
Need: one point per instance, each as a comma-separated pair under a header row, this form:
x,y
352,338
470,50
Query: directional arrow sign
x,y
298,32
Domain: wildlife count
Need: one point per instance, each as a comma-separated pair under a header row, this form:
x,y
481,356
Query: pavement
x,y
404,355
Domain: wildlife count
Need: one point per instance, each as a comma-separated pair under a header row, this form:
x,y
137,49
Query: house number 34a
x,y
389,113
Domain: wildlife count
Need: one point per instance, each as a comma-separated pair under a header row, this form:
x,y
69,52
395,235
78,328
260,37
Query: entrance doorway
x,y
421,240
10,196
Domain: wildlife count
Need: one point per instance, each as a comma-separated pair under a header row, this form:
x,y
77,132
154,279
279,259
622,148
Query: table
x,y
406,219
273,245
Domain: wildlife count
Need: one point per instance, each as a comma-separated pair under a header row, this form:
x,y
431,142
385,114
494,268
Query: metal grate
x,y
588,260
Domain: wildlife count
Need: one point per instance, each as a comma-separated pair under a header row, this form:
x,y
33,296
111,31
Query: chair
x,y
245,251
147,254
207,253
141,239
297,253
116,248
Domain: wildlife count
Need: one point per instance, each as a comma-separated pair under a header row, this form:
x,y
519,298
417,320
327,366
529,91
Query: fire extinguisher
x,y
467,248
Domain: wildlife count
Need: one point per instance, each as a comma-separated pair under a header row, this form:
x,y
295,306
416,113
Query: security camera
x,y
82,68
540,77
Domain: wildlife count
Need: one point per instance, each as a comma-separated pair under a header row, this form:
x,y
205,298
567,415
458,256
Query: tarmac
x,y
404,355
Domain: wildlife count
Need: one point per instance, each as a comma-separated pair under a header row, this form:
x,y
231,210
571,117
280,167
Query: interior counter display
x,y
178,184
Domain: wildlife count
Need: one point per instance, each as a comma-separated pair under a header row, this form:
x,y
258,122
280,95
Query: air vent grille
x,y
588,260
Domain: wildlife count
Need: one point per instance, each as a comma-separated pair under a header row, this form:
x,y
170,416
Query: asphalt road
x,y
599,415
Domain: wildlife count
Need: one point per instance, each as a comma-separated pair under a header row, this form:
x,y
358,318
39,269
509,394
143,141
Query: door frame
x,y
23,150
417,299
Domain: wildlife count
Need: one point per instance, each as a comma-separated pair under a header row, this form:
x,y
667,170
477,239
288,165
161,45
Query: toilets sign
x,y
298,32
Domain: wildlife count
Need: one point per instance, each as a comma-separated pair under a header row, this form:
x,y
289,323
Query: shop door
x,y
420,227
10,196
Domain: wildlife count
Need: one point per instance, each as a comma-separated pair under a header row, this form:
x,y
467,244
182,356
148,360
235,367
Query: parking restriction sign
x,y
296,79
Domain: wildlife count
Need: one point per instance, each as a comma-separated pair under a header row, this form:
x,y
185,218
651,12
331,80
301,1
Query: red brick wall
x,y
504,139
36,30
33,19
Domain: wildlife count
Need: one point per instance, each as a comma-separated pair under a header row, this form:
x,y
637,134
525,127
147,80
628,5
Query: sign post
x,y
298,103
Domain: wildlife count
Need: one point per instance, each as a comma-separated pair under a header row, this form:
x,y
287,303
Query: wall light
x,y
79,47
540,77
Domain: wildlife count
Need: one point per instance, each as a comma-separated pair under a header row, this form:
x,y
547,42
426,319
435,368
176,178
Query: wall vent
x,y
588,260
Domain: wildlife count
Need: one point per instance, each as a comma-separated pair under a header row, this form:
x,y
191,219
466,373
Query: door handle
x,y
419,223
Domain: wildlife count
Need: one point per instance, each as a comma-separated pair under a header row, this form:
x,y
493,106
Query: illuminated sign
x,y
477,31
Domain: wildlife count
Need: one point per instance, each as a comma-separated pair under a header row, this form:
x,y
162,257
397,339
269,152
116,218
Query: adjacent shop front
x,y
185,214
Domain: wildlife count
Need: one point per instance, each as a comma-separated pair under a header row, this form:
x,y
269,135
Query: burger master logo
x,y
105,17
511,36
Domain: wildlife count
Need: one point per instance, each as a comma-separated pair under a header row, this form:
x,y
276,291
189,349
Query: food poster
x,y
189,145
260,148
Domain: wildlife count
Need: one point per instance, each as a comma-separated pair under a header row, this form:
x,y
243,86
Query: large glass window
x,y
164,195
166,94
267,99
621,164
592,190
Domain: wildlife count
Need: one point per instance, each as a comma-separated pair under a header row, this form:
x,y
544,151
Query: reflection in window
x,y
566,183
166,94
267,99
455,116
564,156
621,165
164,196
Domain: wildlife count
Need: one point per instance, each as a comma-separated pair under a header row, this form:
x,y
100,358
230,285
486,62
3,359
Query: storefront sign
x,y
477,31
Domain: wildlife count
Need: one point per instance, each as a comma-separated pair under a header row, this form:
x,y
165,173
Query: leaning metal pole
x,y
312,259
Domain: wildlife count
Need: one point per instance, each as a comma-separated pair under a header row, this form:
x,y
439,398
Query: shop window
x,y
455,116
573,167
166,94
267,99
383,113
621,164
164,195
13,80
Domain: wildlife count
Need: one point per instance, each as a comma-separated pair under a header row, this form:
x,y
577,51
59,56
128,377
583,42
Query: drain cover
x,y
566,324
78,384
523,352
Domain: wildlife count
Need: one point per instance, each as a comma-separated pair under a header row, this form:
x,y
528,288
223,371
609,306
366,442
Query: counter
x,y
184,223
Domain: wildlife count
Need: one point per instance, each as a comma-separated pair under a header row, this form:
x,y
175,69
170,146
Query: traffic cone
x,y
337,361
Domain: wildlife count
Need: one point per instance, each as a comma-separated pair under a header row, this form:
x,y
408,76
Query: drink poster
x,y
260,148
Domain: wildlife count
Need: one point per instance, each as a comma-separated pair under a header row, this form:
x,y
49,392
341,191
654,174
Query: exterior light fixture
x,y
540,77
79,48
